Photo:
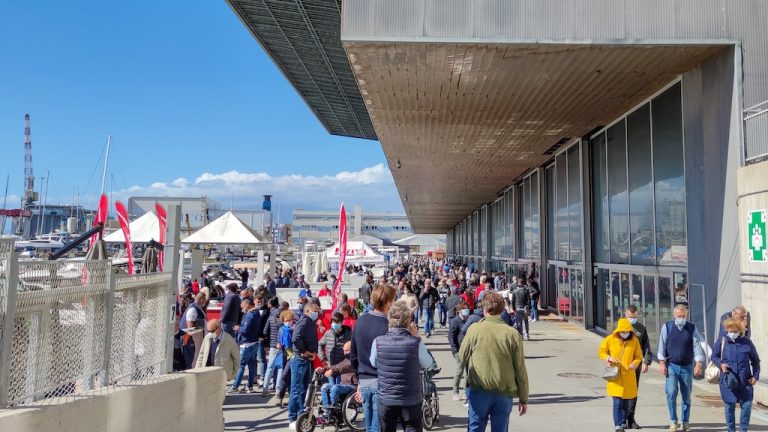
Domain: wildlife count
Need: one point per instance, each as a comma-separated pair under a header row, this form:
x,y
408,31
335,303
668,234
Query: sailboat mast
x,y
106,162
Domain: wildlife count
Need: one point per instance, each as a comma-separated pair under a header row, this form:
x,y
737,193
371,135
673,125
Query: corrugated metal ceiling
x,y
303,39
459,122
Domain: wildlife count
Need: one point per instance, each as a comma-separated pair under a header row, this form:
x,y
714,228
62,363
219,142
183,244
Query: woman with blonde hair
x,y
622,353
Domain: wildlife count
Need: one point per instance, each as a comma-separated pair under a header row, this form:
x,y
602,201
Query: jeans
x,y
484,405
730,416
300,370
270,372
442,313
522,318
619,411
247,358
370,397
409,417
429,325
534,309
227,327
261,360
679,377
332,393
632,403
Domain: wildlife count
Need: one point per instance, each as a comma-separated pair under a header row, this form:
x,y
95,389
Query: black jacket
x,y
430,298
473,318
521,298
367,329
272,327
642,335
304,336
454,329
450,305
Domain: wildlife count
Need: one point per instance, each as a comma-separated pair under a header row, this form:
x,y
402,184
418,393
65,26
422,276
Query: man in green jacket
x,y
493,354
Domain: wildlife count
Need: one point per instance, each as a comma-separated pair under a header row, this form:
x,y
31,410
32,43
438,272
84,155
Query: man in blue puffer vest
x,y
399,357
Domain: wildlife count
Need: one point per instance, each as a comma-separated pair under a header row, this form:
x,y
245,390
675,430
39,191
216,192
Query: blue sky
x,y
193,104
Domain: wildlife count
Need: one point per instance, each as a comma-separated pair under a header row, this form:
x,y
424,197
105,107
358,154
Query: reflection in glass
x,y
574,202
671,238
681,288
602,312
564,295
551,235
626,294
617,190
665,300
562,207
578,288
600,248
534,225
640,186
616,296
650,309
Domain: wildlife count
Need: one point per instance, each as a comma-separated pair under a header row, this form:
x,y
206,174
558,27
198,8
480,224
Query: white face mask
x,y
734,335
624,335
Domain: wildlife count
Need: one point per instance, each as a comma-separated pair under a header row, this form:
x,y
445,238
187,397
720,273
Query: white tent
x,y
357,252
143,230
227,229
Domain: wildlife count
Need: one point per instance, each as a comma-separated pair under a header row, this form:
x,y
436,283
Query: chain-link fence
x,y
72,326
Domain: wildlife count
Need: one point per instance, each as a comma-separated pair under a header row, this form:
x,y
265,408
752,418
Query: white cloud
x,y
372,188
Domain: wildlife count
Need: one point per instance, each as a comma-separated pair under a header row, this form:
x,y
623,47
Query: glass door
x,y
650,310
665,299
602,298
615,298
578,293
636,295
564,292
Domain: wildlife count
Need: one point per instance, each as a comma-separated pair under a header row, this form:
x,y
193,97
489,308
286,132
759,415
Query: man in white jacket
x,y
219,349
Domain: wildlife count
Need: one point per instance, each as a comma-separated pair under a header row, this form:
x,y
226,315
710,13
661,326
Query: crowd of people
x,y
372,346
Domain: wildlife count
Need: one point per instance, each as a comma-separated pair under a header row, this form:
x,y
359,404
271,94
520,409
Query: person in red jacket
x,y
349,318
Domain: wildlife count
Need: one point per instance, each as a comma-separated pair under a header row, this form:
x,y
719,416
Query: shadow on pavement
x,y
562,400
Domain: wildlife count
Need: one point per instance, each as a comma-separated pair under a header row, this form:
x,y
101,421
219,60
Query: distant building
x,y
55,218
322,226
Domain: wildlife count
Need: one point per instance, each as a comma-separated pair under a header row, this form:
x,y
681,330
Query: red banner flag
x,y
100,218
163,222
122,217
342,254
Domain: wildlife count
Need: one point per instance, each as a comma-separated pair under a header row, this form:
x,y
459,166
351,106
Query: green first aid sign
x,y
756,236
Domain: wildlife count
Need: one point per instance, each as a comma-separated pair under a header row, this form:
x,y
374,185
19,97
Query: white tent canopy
x,y
227,229
143,230
421,241
357,252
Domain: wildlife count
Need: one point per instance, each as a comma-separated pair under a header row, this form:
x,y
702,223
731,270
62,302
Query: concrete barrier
x,y
189,402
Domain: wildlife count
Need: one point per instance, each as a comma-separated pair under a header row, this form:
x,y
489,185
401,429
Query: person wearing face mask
x,y
641,333
679,348
305,344
622,349
248,334
735,353
332,343
284,353
454,330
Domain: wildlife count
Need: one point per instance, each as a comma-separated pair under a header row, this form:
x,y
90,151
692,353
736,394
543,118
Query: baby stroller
x,y
346,413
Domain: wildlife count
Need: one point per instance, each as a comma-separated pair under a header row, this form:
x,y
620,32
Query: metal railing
x,y
756,133
73,326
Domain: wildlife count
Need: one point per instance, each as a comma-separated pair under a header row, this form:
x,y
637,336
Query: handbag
x,y
731,380
611,373
712,372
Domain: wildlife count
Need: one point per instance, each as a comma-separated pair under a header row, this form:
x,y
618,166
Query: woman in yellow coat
x,y
622,349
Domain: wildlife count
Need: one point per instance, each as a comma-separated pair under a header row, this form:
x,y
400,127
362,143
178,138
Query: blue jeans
x,y
227,327
270,372
261,359
534,310
332,393
679,377
370,397
484,405
730,416
442,313
619,411
300,370
247,358
429,325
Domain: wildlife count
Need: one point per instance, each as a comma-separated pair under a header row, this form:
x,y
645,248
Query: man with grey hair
x,y
740,313
679,348
397,356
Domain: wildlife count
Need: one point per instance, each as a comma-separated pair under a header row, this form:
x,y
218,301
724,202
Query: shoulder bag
x,y
611,373
712,372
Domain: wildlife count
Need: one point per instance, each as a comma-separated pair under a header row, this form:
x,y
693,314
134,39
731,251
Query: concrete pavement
x,y
567,393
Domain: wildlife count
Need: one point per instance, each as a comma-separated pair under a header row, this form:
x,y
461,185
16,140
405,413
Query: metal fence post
x,y
109,312
9,317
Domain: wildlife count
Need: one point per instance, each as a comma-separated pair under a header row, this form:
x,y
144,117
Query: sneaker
x,y
633,425
279,403
250,390
292,425
428,335
466,403
234,390
456,397
673,427
525,337
686,427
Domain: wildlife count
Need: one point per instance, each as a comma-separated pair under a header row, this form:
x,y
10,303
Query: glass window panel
x,y
601,244
551,244
534,225
605,292
617,190
522,198
561,185
574,202
650,308
636,295
671,241
564,294
665,300
615,297
640,179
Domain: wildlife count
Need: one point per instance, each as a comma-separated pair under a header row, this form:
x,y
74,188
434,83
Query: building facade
x,y
322,226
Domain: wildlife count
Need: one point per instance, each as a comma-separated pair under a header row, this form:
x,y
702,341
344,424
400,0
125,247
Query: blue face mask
x,y
287,325
336,326
632,321
313,316
465,312
680,322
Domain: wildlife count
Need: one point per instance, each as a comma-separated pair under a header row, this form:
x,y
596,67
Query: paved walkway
x,y
566,391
